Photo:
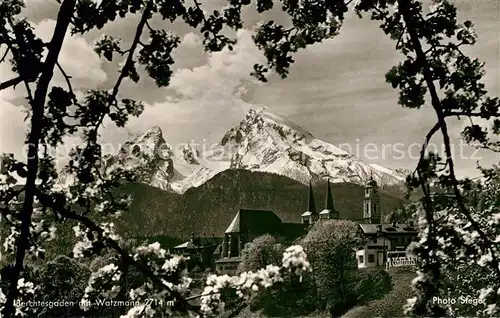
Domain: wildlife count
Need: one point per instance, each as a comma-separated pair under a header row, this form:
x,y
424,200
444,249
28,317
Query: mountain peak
x,y
264,141
154,131
261,142
262,121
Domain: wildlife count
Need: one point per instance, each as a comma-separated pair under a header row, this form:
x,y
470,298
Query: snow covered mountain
x,y
261,142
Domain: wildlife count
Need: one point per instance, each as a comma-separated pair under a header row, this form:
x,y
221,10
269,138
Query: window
x,y
371,258
305,221
374,208
360,259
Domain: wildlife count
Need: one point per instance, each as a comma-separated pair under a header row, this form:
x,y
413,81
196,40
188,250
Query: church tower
x,y
311,215
329,212
371,204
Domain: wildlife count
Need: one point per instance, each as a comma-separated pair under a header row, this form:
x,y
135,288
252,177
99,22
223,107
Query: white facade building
x,y
384,244
373,253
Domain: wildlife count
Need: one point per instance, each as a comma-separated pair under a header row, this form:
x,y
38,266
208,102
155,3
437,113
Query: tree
x,y
62,280
331,246
436,67
262,251
404,214
463,278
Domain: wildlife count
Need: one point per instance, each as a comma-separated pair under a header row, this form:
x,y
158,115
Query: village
x,y
384,245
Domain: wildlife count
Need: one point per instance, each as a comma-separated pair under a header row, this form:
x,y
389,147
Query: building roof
x,y
388,229
329,198
234,227
311,207
307,213
218,250
371,182
187,244
197,242
325,211
292,231
254,221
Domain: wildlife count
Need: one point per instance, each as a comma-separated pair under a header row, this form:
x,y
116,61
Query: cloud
x,y
191,40
224,71
12,128
207,97
336,89
77,58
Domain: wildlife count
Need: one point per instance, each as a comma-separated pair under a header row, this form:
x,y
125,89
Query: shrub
x,y
262,251
62,279
330,246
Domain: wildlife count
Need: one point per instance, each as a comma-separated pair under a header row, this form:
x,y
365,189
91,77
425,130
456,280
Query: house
x,y
200,249
382,242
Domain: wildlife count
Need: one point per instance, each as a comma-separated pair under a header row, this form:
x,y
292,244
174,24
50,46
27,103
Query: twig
x,y
469,114
68,82
5,54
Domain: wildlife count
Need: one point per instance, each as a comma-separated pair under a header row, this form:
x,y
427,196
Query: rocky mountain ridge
x,y
261,142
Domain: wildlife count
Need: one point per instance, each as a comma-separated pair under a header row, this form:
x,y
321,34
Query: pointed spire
x,y
329,198
310,204
371,182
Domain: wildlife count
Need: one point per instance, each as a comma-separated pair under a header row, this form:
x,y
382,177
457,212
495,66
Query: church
x,y
250,224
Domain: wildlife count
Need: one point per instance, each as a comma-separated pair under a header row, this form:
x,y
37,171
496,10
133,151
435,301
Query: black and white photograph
x,y
249,158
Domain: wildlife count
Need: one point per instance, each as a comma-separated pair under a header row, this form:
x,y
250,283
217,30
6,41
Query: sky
x,y
336,89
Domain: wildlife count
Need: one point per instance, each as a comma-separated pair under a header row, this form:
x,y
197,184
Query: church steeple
x,y
329,212
310,216
329,199
371,204
311,206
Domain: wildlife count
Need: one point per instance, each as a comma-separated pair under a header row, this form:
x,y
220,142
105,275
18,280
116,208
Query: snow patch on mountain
x,y
262,141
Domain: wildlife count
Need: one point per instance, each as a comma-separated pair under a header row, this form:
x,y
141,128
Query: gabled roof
x,y
207,240
218,250
388,229
234,227
187,244
307,213
199,242
325,211
255,222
